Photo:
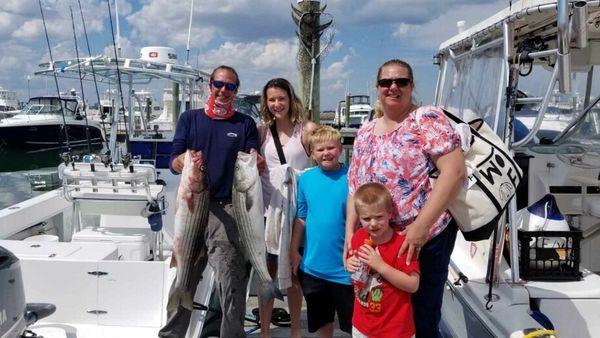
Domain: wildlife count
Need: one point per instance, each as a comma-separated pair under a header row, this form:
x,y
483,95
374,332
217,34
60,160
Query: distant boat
x,y
36,136
360,111
8,103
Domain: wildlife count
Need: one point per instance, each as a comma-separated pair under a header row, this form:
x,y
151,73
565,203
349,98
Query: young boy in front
x,y
382,308
320,221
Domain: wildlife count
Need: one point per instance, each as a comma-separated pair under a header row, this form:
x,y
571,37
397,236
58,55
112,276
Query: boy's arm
x,y
297,236
399,279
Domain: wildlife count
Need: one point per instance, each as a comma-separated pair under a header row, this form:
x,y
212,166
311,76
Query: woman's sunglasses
x,y
400,82
220,84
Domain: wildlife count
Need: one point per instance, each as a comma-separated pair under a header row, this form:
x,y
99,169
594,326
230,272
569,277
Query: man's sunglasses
x,y
400,82
220,84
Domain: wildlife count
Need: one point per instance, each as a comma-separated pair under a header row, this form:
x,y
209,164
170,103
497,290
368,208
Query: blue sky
x,y
257,37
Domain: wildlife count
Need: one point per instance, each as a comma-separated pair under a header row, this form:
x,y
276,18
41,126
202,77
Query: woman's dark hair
x,y
393,62
224,67
296,112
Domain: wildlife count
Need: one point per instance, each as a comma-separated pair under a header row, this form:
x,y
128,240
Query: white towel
x,y
281,212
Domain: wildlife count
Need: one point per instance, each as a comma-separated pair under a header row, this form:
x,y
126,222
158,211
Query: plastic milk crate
x,y
550,255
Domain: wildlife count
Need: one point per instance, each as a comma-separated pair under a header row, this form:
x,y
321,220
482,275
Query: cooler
x,y
132,244
60,251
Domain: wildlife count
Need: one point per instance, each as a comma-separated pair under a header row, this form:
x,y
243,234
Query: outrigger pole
x,y
62,111
92,65
87,127
187,50
115,126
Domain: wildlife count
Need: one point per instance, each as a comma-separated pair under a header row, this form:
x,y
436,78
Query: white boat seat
x,y
133,244
123,221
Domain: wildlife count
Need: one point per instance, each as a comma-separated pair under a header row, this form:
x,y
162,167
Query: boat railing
x,y
96,189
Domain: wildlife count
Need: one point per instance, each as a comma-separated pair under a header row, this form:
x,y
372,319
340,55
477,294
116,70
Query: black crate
x,y
559,260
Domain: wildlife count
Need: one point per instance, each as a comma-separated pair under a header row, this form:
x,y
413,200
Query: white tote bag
x,y
493,177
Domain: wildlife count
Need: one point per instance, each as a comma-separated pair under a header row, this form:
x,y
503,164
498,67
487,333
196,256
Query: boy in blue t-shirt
x,y
320,221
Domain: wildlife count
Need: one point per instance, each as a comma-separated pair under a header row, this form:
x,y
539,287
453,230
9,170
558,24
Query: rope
x,y
541,333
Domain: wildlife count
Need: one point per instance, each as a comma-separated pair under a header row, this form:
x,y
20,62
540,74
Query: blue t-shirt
x,y
322,202
219,140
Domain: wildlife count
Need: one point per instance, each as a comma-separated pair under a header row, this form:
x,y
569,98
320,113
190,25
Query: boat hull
x,y
33,146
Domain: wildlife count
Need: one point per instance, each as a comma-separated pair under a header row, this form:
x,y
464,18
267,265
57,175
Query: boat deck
x,y
65,330
281,332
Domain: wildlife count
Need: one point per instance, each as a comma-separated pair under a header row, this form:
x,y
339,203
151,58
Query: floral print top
x,y
401,160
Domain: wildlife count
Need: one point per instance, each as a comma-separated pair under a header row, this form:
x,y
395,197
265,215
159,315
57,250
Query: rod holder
x,y
579,36
564,54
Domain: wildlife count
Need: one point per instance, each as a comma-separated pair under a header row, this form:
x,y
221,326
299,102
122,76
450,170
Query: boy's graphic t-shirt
x,y
380,309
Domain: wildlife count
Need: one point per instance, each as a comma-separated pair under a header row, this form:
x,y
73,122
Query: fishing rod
x,y
62,111
87,126
93,70
127,145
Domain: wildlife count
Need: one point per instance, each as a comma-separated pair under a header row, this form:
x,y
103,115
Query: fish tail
x,y
181,297
268,291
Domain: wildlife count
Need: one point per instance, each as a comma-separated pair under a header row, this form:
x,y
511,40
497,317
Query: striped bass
x,y
248,211
191,219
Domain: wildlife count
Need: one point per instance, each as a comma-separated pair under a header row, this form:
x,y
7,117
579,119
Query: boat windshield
x,y
248,105
563,111
50,106
473,87
361,99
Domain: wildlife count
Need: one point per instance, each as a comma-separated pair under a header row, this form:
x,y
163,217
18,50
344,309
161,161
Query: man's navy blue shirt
x,y
219,141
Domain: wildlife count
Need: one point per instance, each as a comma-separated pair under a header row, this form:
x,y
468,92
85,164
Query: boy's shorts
x,y
324,299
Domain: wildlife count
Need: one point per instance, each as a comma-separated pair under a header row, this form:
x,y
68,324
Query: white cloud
x,y
256,62
273,55
352,12
402,30
430,35
19,6
337,70
7,22
30,29
128,49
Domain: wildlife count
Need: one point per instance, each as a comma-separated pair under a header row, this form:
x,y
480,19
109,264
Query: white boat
x,y
88,248
360,111
8,100
535,47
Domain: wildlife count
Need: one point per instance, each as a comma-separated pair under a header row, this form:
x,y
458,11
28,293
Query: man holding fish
x,y
205,150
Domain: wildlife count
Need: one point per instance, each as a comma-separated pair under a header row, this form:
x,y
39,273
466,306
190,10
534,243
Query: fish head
x,y
194,171
245,173
290,175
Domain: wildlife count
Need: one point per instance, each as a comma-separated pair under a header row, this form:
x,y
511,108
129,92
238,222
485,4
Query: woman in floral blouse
x,y
398,149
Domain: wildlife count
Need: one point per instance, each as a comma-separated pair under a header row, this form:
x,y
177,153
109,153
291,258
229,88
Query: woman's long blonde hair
x,y
296,113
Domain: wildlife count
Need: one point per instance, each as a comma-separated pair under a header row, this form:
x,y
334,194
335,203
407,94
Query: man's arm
x,y
179,144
